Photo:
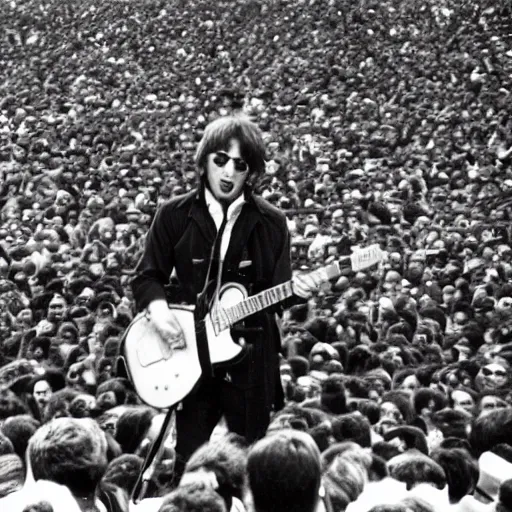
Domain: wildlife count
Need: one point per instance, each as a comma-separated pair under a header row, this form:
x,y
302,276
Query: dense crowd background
x,y
387,122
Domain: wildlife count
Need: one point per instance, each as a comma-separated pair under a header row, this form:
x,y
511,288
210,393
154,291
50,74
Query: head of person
x,y
461,471
230,156
413,468
452,423
427,401
227,461
345,477
397,405
406,381
41,392
493,375
193,497
11,404
504,503
352,427
70,452
463,399
406,438
134,426
57,308
12,474
489,401
123,471
19,429
275,484
490,429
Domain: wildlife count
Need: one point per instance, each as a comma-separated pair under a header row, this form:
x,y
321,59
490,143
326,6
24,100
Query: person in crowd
x,y
71,452
275,483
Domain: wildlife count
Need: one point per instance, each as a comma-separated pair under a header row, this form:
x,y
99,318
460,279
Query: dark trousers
x,y
244,410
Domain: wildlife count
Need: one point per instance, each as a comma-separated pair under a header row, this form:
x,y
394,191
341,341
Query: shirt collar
x,y
214,205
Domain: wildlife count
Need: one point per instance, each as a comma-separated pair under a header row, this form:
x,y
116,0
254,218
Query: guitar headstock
x,y
358,260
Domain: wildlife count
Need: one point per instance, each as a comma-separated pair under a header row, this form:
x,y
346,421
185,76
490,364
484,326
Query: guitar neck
x,y
271,296
359,260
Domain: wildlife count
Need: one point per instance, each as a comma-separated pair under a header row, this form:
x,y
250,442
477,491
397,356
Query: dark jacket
x,y
181,238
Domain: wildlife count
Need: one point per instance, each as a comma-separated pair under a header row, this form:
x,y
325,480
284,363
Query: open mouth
x,y
226,186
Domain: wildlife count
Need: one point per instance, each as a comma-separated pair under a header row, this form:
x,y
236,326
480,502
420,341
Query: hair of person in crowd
x,y
491,429
416,468
70,452
227,461
352,427
12,473
461,471
40,506
284,472
132,427
193,497
346,475
19,429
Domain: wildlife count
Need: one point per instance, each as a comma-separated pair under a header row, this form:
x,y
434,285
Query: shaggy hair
x,y
402,402
220,132
424,396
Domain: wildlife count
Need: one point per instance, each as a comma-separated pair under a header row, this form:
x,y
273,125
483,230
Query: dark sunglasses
x,y
221,159
498,373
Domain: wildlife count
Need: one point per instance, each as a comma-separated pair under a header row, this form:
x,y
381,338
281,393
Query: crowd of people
x,y
386,122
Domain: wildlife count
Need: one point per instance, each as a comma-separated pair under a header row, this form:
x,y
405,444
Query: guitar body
x,y
162,376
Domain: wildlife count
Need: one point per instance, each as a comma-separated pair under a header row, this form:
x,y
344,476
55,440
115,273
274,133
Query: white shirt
x,y
217,213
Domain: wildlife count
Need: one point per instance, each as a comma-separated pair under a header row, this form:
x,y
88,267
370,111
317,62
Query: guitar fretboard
x,y
226,317
258,302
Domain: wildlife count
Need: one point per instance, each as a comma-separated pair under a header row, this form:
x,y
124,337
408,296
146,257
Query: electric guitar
x,y
163,376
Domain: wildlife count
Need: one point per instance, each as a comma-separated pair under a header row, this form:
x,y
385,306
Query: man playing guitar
x,y
218,233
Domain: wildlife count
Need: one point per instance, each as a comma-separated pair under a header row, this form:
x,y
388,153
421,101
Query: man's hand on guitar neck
x,y
305,285
166,324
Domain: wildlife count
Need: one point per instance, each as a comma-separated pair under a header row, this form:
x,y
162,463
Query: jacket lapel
x,y
199,213
242,230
